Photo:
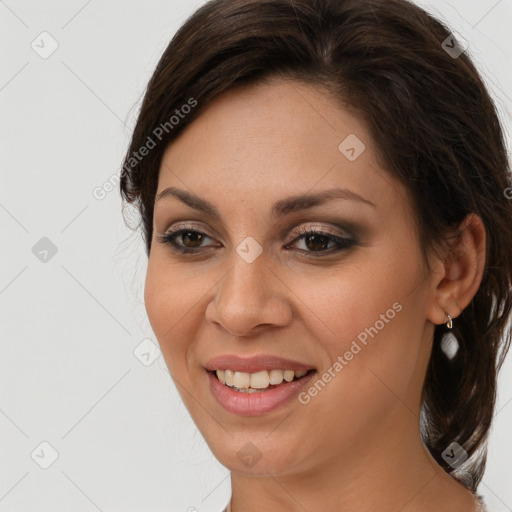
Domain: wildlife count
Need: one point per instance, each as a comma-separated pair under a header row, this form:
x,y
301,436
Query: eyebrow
x,y
279,209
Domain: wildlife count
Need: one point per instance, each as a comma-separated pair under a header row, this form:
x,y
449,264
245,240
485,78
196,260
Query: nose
x,y
249,297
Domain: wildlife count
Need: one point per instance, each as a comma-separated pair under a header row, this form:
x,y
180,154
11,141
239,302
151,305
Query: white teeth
x,y
229,374
241,380
258,380
288,375
276,377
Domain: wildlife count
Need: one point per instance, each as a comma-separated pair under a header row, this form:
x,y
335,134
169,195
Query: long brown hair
x,y
435,128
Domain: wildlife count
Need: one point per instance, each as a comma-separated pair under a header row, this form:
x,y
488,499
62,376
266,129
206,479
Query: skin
x,y
356,446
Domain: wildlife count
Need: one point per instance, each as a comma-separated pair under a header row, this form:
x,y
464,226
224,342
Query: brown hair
x,y
435,128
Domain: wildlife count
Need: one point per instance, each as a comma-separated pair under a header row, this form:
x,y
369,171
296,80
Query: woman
x,y
321,186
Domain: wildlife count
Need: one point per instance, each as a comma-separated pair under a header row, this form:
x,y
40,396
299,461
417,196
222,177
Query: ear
x,y
457,278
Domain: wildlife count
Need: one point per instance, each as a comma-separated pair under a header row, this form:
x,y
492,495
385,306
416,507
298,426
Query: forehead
x,y
275,139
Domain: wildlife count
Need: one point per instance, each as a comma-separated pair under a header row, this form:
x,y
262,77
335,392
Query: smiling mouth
x,y
258,382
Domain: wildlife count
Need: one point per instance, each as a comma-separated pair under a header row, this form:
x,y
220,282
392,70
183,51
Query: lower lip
x,y
254,404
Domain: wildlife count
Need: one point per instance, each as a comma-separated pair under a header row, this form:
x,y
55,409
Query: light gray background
x,y
72,327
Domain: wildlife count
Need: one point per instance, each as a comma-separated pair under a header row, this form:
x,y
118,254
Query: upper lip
x,y
254,364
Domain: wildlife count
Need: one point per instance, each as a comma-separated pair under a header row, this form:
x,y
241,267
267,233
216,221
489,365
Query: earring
x,y
449,324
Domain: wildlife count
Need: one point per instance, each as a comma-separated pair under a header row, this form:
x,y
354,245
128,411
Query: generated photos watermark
x,y
343,360
152,140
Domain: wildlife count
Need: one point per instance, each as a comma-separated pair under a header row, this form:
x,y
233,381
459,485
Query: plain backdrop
x,y
89,417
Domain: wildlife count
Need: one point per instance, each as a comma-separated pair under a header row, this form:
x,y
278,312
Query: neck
x,y
399,474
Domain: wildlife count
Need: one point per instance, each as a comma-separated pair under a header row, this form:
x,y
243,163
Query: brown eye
x,y
184,240
193,237
316,242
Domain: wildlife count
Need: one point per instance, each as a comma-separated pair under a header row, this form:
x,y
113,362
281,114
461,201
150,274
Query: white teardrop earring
x,y
449,345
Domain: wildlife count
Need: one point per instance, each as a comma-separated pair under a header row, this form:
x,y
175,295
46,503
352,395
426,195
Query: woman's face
x,y
254,284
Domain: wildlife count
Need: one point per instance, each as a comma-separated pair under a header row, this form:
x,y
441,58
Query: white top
x,y
481,504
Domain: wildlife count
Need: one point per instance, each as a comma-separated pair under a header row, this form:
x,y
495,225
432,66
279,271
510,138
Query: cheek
x,y
365,317
156,300
342,302
168,307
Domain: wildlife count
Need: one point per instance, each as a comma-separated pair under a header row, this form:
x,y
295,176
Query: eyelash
x,y
302,232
